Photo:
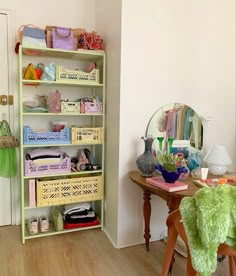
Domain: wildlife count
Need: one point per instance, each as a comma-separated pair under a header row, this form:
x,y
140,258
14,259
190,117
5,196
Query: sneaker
x,y
33,225
43,224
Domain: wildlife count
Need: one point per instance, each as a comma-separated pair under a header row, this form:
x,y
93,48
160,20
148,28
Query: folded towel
x,y
34,32
78,225
70,208
44,152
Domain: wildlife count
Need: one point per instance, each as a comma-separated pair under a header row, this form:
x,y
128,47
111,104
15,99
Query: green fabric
x,y
232,233
208,217
8,166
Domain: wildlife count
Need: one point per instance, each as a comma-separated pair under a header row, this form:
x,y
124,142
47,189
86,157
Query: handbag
x,y
63,38
29,41
8,164
6,138
49,28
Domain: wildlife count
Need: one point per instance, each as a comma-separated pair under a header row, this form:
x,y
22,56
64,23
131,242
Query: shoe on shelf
x,y
33,225
43,224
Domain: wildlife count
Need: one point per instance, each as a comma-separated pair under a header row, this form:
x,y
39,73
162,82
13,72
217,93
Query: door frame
x,y
13,110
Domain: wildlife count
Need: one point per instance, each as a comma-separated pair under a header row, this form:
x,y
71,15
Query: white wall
x,y
171,51
108,24
74,13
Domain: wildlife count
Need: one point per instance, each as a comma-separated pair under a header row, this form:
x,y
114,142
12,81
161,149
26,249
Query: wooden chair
x,y
175,228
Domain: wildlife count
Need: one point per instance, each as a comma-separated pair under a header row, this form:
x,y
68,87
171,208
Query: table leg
x,y
147,215
172,204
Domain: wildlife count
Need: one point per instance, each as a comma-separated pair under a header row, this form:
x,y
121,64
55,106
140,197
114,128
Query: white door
x,y
5,183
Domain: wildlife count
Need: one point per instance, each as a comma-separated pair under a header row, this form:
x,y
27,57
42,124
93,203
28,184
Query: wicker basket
x,y
63,74
86,135
69,190
70,107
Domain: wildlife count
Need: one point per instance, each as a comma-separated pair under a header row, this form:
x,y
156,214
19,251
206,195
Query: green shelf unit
x,y
61,114
53,232
61,83
58,145
80,54
64,174
94,89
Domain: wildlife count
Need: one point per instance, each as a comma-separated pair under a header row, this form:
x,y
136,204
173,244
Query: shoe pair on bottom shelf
x,y
38,224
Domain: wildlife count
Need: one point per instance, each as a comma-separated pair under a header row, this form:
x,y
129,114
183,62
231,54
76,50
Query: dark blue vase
x,y
146,161
171,177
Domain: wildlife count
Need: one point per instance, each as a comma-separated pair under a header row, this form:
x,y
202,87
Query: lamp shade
x,y
217,159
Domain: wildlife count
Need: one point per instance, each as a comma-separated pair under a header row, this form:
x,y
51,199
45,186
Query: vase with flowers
x,y
171,166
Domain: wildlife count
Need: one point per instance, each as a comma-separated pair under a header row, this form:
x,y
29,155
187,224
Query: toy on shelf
x,y
84,161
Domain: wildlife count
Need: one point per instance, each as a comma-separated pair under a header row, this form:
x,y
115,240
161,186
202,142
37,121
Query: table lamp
x,y
217,159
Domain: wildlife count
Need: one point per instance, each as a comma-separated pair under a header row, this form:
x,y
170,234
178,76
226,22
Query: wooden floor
x,y
83,253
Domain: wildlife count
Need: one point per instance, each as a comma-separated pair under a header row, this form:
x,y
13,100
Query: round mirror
x,y
175,123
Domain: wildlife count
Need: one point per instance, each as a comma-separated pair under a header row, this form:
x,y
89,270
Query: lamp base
x,y
217,169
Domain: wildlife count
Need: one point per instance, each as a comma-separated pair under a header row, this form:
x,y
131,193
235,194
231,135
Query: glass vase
x,y
160,141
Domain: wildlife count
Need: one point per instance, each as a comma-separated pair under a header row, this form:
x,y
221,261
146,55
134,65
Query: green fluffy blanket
x,y
209,218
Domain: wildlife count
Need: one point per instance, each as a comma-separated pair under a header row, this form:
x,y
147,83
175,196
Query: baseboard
x,y
124,245
110,239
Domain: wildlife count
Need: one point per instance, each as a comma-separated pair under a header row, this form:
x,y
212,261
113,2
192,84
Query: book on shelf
x,y
159,182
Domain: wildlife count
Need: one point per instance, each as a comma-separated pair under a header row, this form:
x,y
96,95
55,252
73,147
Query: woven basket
x,y
69,190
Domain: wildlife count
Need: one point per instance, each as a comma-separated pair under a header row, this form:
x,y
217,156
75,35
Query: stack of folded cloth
x,y
79,215
44,156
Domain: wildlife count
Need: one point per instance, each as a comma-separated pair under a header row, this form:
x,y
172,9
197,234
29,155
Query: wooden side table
x,y
173,199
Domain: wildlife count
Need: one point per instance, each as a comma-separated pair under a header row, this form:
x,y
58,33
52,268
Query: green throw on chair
x,y
207,224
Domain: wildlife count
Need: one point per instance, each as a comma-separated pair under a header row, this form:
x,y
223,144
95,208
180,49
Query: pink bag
x,y
54,102
63,38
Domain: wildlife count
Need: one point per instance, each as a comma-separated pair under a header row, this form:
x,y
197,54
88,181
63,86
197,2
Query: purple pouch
x,y
63,38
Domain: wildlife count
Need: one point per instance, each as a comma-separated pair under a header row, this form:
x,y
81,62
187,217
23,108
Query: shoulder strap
x,y
5,128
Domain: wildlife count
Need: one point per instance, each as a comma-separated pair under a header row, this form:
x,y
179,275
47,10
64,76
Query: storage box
x,y
49,137
63,167
69,190
63,74
86,135
92,108
70,107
